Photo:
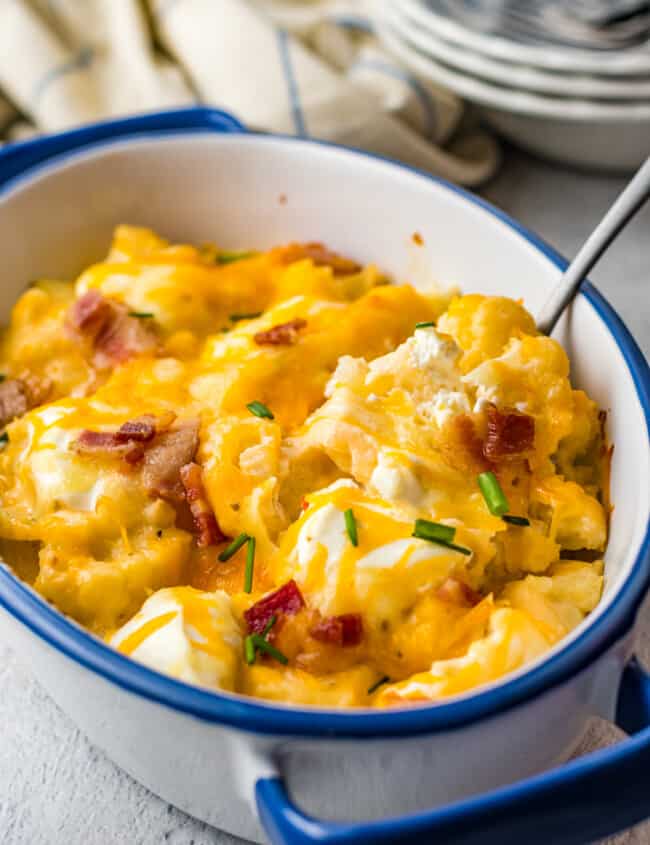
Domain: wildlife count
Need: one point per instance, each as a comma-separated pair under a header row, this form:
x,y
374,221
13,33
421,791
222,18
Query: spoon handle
x,y
625,207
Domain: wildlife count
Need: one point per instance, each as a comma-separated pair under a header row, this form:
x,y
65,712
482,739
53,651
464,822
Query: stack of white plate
x,y
582,106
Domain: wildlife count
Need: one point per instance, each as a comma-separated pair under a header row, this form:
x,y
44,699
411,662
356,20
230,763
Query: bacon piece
x,y
287,600
320,255
455,591
462,447
205,522
126,442
509,434
142,429
14,400
89,313
344,630
165,456
114,335
284,334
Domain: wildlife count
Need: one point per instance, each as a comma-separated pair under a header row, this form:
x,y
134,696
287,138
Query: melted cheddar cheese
x,y
324,413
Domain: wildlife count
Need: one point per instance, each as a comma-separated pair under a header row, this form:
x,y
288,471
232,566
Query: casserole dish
x,y
195,173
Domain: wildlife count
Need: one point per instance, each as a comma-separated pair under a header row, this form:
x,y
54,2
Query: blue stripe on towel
x,y
284,46
426,100
82,59
353,22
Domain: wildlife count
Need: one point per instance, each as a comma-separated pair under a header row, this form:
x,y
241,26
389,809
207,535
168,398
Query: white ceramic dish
x,y
585,133
518,76
194,175
630,62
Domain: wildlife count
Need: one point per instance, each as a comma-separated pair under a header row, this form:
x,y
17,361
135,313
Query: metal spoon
x,y
625,207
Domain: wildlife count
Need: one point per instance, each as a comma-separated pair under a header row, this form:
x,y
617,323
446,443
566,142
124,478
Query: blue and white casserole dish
x,y
482,768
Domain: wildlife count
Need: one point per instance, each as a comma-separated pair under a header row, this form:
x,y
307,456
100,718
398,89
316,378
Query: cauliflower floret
x,y
190,635
577,520
532,377
513,638
483,325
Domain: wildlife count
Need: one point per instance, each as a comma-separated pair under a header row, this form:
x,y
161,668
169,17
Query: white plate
x,y
578,132
622,63
526,78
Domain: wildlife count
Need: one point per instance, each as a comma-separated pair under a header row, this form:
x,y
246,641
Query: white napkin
x,y
306,68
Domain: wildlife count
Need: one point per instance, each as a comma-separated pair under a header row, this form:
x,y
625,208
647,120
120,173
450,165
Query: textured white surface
x,y
55,789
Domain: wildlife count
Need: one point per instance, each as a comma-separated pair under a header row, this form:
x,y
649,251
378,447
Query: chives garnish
x,y
460,549
494,496
4,439
269,625
251,645
515,520
230,257
426,325
261,644
252,316
249,650
250,563
433,531
233,547
143,315
258,409
378,684
351,526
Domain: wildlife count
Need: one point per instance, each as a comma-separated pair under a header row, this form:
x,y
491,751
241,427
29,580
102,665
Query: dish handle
x,y
582,801
17,157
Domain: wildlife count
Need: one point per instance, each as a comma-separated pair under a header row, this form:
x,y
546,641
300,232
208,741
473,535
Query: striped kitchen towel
x,y
311,68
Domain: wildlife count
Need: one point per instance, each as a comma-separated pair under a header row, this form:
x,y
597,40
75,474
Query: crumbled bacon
x,y
165,456
14,400
455,591
320,255
127,442
114,335
284,334
462,446
205,522
287,600
509,434
142,429
344,630
89,313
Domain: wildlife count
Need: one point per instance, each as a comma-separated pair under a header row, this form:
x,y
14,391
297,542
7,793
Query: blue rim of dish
x,y
277,719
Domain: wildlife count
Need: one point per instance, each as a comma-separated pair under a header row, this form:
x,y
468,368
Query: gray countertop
x,y
56,789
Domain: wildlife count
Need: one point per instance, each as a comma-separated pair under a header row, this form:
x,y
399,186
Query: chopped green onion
x,y
4,439
351,526
230,257
515,520
261,644
250,563
442,535
2,377
433,531
269,625
460,549
235,318
260,410
377,684
494,496
251,644
143,315
233,547
426,325
249,650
